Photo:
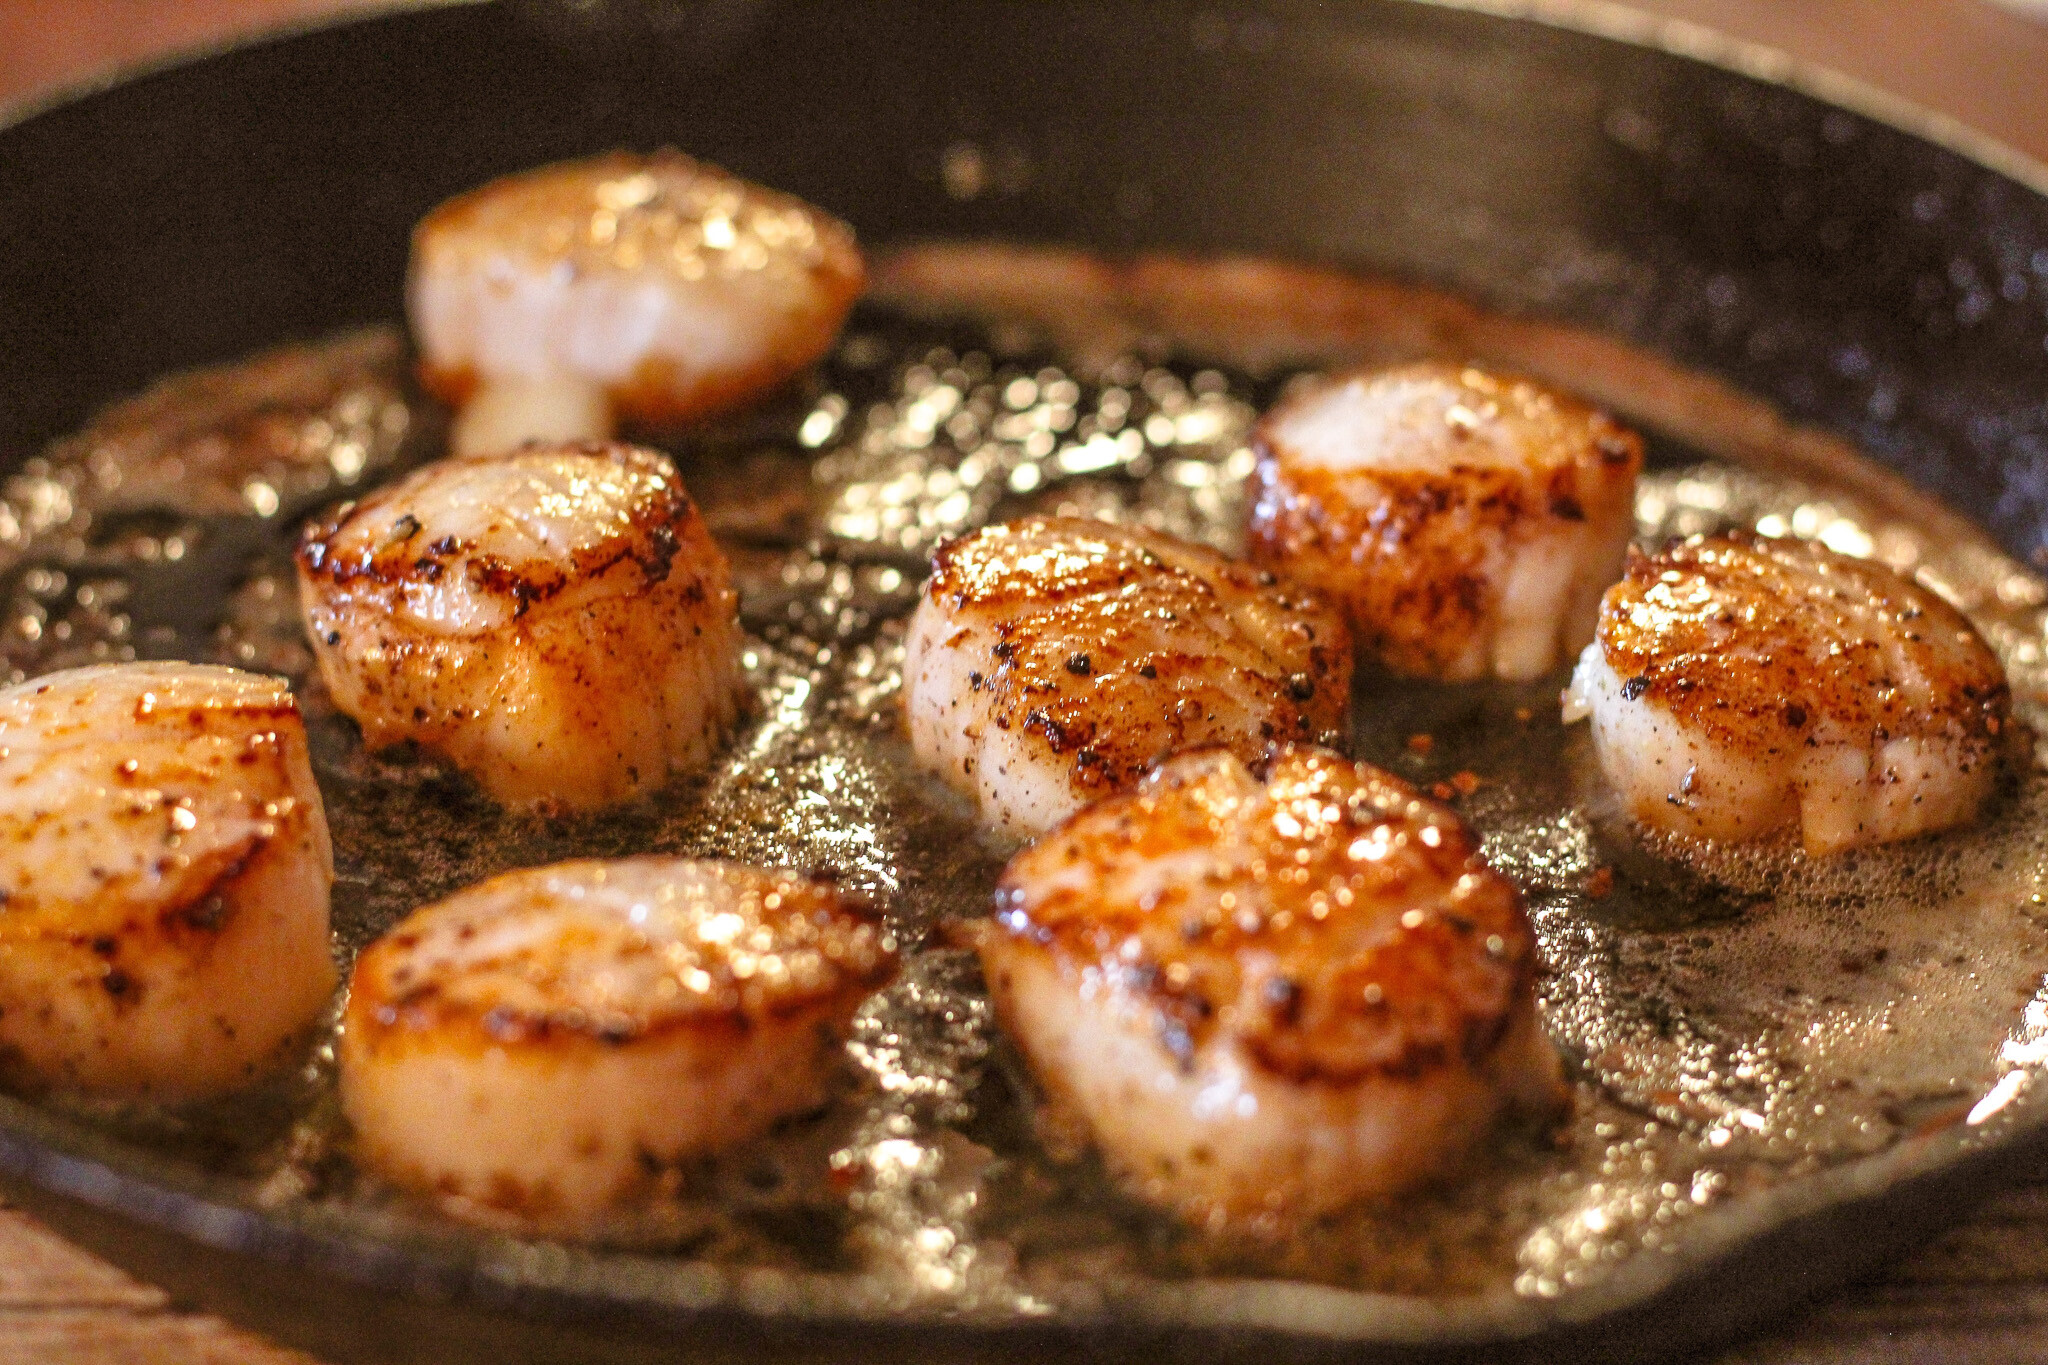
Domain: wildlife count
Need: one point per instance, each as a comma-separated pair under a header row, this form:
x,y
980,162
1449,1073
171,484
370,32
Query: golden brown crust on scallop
x,y
1336,922
571,211
747,948
360,549
207,781
1119,701
1412,552
574,213
1761,644
557,620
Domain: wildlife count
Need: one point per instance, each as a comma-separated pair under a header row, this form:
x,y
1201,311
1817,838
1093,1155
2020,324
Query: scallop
x,y
1741,686
542,1050
1269,991
1467,521
164,877
557,621
653,289
1051,661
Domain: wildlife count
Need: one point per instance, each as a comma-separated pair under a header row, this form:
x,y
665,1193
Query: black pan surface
x,y
1863,279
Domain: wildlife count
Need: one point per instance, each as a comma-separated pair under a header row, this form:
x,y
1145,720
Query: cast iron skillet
x,y
1864,278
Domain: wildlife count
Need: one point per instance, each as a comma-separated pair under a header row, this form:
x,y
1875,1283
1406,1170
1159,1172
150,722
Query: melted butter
x,y
1733,1021
167,494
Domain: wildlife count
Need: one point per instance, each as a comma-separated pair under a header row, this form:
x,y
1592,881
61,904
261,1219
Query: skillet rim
x,y
1684,39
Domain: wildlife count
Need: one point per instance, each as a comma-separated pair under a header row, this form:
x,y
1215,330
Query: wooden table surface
x,y
1978,1294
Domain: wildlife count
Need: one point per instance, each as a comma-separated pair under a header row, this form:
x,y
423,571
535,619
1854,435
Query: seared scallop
x,y
1269,991
557,621
1467,521
537,1051
164,873
1742,685
1051,661
648,288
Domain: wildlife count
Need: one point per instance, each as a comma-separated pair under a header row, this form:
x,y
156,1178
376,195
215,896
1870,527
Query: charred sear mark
x,y
1343,974
1110,647
1420,540
1671,628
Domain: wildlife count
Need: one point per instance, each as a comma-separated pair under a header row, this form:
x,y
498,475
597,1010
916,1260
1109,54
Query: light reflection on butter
x,y
919,1180
965,432
2005,1092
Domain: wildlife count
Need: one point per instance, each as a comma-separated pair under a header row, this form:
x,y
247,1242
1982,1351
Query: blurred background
x,y
1984,63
